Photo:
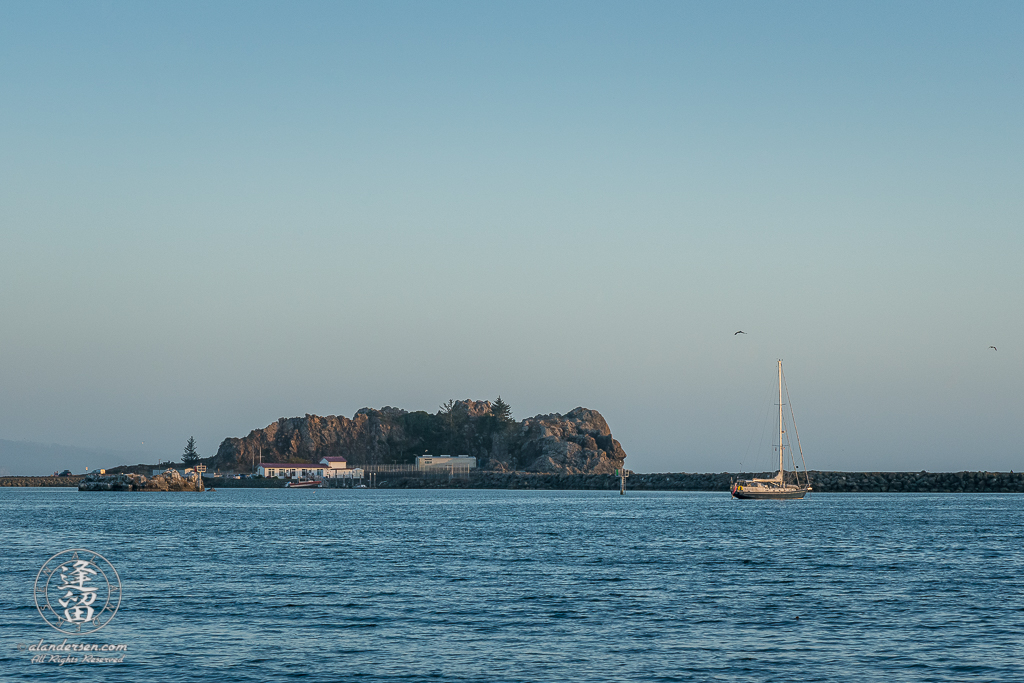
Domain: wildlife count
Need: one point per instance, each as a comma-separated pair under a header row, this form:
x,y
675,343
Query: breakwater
x,y
824,482
847,482
918,482
41,481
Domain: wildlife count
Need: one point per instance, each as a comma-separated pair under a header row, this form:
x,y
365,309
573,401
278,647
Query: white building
x,y
184,473
337,468
291,470
456,462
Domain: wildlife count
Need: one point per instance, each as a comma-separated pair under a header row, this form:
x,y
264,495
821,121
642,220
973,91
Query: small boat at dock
x,y
303,484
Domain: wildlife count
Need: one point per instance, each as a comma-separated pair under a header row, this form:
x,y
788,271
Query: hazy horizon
x,y
216,215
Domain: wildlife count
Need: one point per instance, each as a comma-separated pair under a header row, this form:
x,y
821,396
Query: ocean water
x,y
438,585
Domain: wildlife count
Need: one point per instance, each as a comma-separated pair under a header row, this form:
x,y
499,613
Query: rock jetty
x,y
579,442
918,482
169,480
41,481
822,482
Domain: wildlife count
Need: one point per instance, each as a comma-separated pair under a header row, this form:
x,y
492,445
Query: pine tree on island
x,y
447,414
502,413
191,456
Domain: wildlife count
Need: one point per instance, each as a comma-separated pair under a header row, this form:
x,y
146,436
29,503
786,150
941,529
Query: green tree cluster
x,y
448,431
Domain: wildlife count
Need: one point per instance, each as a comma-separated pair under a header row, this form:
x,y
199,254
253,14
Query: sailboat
x,y
776,487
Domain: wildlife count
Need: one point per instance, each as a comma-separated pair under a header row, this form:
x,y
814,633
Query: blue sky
x,y
218,214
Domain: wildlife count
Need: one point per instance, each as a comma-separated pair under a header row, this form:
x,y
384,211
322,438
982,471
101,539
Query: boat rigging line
x,y
796,431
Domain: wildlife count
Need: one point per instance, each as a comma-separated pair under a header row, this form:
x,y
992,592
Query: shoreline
x,y
821,481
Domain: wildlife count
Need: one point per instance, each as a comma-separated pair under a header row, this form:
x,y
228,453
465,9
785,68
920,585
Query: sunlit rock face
x,y
170,480
579,442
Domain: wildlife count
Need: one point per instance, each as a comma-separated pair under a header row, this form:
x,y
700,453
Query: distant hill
x,y
28,458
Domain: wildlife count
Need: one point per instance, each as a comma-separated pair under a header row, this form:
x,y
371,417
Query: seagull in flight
x,y
738,332
993,348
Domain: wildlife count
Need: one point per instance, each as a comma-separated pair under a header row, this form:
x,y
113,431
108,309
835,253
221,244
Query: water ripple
x,y
374,585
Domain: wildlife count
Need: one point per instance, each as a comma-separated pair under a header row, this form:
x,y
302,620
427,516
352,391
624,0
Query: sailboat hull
x,y
769,495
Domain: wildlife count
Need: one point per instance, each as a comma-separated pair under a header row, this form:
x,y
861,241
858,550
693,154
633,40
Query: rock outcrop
x,y
579,442
170,480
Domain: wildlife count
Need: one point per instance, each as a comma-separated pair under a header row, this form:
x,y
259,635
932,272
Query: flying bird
x,y
993,348
738,332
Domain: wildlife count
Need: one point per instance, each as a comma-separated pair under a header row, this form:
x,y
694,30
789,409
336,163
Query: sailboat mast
x,y
781,475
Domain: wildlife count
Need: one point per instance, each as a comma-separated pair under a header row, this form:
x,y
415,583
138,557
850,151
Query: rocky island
x,y
579,442
169,480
